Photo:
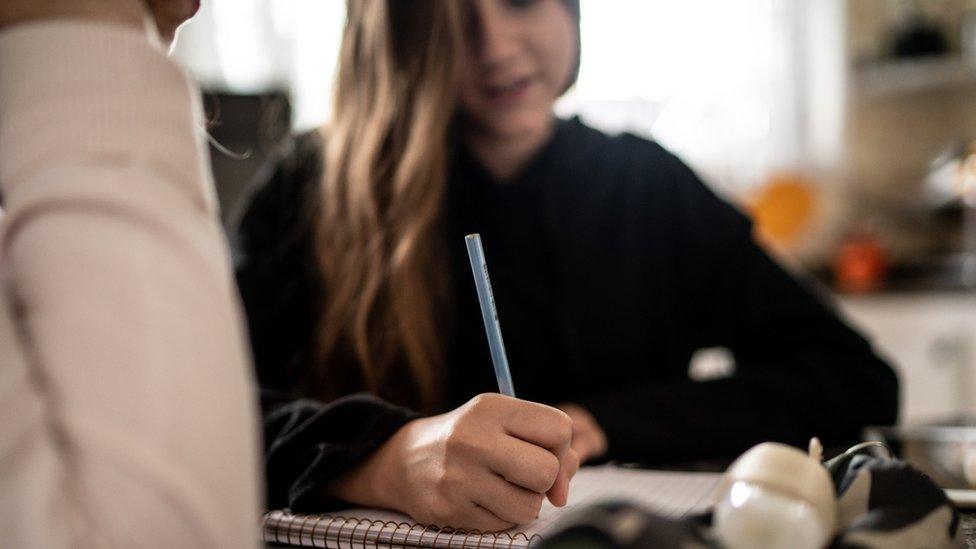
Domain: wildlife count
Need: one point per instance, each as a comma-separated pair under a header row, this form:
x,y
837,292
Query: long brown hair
x,y
379,239
386,163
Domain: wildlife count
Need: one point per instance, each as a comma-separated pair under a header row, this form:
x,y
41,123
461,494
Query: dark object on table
x,y
622,525
888,503
881,503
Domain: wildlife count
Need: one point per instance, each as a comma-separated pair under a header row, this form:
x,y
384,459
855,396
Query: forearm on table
x,y
138,388
311,445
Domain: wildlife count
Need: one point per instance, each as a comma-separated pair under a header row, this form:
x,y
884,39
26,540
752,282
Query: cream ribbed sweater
x,y
127,415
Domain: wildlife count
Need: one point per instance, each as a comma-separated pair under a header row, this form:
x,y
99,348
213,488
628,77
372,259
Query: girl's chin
x,y
518,126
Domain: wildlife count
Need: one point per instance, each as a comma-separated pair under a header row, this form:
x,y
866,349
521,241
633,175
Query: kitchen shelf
x,y
896,78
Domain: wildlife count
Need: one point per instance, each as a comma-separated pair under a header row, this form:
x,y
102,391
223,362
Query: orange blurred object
x,y
783,209
861,265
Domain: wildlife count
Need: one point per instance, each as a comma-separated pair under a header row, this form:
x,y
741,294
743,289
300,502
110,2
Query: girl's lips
x,y
508,94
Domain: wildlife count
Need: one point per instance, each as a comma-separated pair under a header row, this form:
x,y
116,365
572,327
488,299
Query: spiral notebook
x,y
668,494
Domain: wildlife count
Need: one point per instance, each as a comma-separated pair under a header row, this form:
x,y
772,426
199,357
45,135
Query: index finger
x,y
541,425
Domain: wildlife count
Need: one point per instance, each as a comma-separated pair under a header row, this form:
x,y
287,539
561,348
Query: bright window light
x,y
715,81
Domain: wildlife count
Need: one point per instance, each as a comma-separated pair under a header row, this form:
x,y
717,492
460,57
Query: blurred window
x,y
257,46
713,80
716,81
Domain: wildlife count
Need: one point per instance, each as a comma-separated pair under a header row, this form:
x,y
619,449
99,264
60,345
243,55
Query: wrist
x,y
376,480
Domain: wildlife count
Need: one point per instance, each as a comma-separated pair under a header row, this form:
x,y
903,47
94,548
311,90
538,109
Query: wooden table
x,y
968,528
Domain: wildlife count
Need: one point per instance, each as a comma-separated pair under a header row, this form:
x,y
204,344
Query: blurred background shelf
x,y
888,79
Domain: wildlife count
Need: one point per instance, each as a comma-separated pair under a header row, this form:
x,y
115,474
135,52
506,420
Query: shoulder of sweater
x,y
292,172
629,160
281,211
597,141
298,164
642,171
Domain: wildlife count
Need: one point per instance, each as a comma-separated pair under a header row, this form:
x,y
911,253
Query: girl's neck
x,y
506,156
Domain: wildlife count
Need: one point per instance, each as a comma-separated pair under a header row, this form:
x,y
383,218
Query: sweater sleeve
x,y
800,371
128,416
307,443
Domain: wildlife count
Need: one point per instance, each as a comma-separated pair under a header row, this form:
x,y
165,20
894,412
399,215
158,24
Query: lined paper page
x,y
665,493
670,494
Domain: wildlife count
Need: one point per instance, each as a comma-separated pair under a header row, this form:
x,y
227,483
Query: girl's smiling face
x,y
519,57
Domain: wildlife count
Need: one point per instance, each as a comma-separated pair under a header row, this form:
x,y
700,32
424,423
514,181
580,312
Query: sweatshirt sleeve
x,y
800,371
307,443
126,398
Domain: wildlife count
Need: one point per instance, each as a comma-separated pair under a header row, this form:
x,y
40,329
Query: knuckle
x,y
541,479
459,440
563,426
483,401
549,470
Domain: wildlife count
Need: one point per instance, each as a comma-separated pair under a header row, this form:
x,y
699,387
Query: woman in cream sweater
x,y
126,411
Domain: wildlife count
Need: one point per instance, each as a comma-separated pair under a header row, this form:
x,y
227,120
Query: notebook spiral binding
x,y
338,532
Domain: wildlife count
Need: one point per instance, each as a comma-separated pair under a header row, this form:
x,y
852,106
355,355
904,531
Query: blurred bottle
x,y
861,264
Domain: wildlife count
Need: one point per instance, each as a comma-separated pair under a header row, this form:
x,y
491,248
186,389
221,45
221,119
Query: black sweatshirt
x,y
611,264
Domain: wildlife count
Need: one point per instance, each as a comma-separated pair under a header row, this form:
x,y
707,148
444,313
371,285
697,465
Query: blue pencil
x,y
479,268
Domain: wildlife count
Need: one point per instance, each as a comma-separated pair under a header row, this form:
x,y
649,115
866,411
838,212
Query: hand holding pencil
x,y
488,465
